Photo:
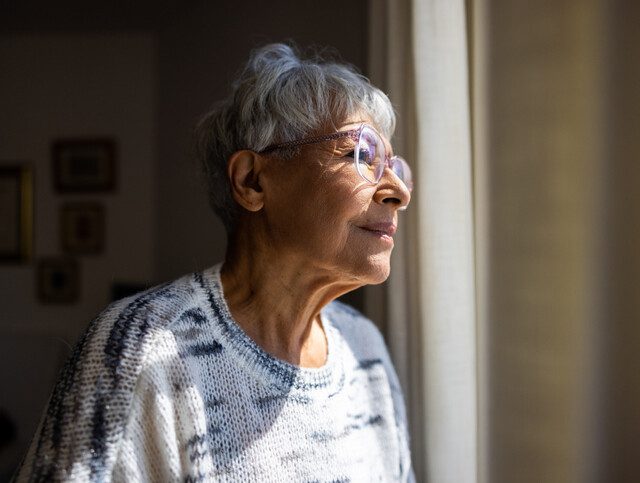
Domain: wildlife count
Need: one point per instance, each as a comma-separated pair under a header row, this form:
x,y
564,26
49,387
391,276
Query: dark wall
x,y
199,54
196,46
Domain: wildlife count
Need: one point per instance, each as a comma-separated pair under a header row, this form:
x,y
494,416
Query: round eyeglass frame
x,y
396,164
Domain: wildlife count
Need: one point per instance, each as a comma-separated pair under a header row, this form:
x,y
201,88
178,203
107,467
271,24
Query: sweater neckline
x,y
274,372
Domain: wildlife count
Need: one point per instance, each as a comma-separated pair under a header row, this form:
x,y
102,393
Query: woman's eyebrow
x,y
355,124
346,142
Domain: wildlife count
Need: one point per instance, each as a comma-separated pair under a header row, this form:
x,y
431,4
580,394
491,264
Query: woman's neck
x,y
277,298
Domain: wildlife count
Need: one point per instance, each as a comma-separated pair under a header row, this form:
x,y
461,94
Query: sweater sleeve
x,y
81,433
76,434
149,449
163,437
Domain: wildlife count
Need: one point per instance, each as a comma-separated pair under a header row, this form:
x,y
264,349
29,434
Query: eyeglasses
x,y
369,154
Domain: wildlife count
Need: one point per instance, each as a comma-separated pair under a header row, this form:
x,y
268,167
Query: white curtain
x,y
419,55
544,155
513,306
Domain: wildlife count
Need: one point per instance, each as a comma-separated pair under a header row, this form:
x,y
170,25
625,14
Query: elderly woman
x,y
250,370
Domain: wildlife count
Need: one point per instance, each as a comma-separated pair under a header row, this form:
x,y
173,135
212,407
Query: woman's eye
x,y
351,154
365,157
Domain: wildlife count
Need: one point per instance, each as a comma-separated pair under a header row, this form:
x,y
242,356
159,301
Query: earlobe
x,y
244,169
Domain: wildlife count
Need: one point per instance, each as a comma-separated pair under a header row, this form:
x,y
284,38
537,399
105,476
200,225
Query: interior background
x,y
555,110
141,72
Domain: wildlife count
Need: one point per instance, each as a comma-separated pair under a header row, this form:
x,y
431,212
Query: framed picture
x,y
58,281
82,228
84,165
16,213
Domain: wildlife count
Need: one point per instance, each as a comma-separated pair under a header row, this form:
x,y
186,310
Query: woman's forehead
x,y
355,121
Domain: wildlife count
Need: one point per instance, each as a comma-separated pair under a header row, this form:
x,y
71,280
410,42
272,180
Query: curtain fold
x,y
421,60
543,163
512,307
444,217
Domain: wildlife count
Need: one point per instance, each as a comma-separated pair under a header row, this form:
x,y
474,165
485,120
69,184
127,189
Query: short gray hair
x,y
280,97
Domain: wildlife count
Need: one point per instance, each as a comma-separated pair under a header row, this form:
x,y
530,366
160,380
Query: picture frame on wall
x,y
84,165
16,212
58,280
82,228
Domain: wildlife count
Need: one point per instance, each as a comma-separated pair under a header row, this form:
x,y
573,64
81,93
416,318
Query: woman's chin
x,y
377,270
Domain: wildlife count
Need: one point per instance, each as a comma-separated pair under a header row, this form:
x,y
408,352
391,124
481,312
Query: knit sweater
x,y
165,386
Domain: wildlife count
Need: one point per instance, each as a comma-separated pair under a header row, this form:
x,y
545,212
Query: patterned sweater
x,y
164,386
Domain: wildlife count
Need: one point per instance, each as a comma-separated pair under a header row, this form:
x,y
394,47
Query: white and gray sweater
x,y
164,386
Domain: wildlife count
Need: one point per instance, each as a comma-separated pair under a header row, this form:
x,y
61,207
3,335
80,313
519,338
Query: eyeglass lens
x,y
368,155
370,159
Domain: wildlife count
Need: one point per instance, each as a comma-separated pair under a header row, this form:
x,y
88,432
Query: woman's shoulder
x,y
131,321
366,344
362,335
127,330
349,318
161,298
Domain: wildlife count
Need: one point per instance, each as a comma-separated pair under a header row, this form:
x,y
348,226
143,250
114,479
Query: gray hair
x,y
280,97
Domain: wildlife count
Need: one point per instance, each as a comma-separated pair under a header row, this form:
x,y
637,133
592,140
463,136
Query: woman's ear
x,y
244,169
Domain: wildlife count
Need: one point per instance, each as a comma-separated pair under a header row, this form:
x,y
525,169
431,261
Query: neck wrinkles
x,y
276,299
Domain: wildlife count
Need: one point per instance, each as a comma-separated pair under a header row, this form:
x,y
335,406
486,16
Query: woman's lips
x,y
382,231
385,228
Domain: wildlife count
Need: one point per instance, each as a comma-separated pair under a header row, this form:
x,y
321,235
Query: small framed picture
x,y
16,213
84,165
82,228
58,281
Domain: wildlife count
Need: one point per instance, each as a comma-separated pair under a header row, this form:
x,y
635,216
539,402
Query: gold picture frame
x,y
16,213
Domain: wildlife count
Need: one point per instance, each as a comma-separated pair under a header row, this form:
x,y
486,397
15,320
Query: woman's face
x,y
321,212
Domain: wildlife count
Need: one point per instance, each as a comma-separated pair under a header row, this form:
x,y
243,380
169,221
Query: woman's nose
x,y
392,189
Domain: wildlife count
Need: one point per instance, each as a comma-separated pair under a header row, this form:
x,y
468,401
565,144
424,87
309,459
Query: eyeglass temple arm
x,y
312,140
